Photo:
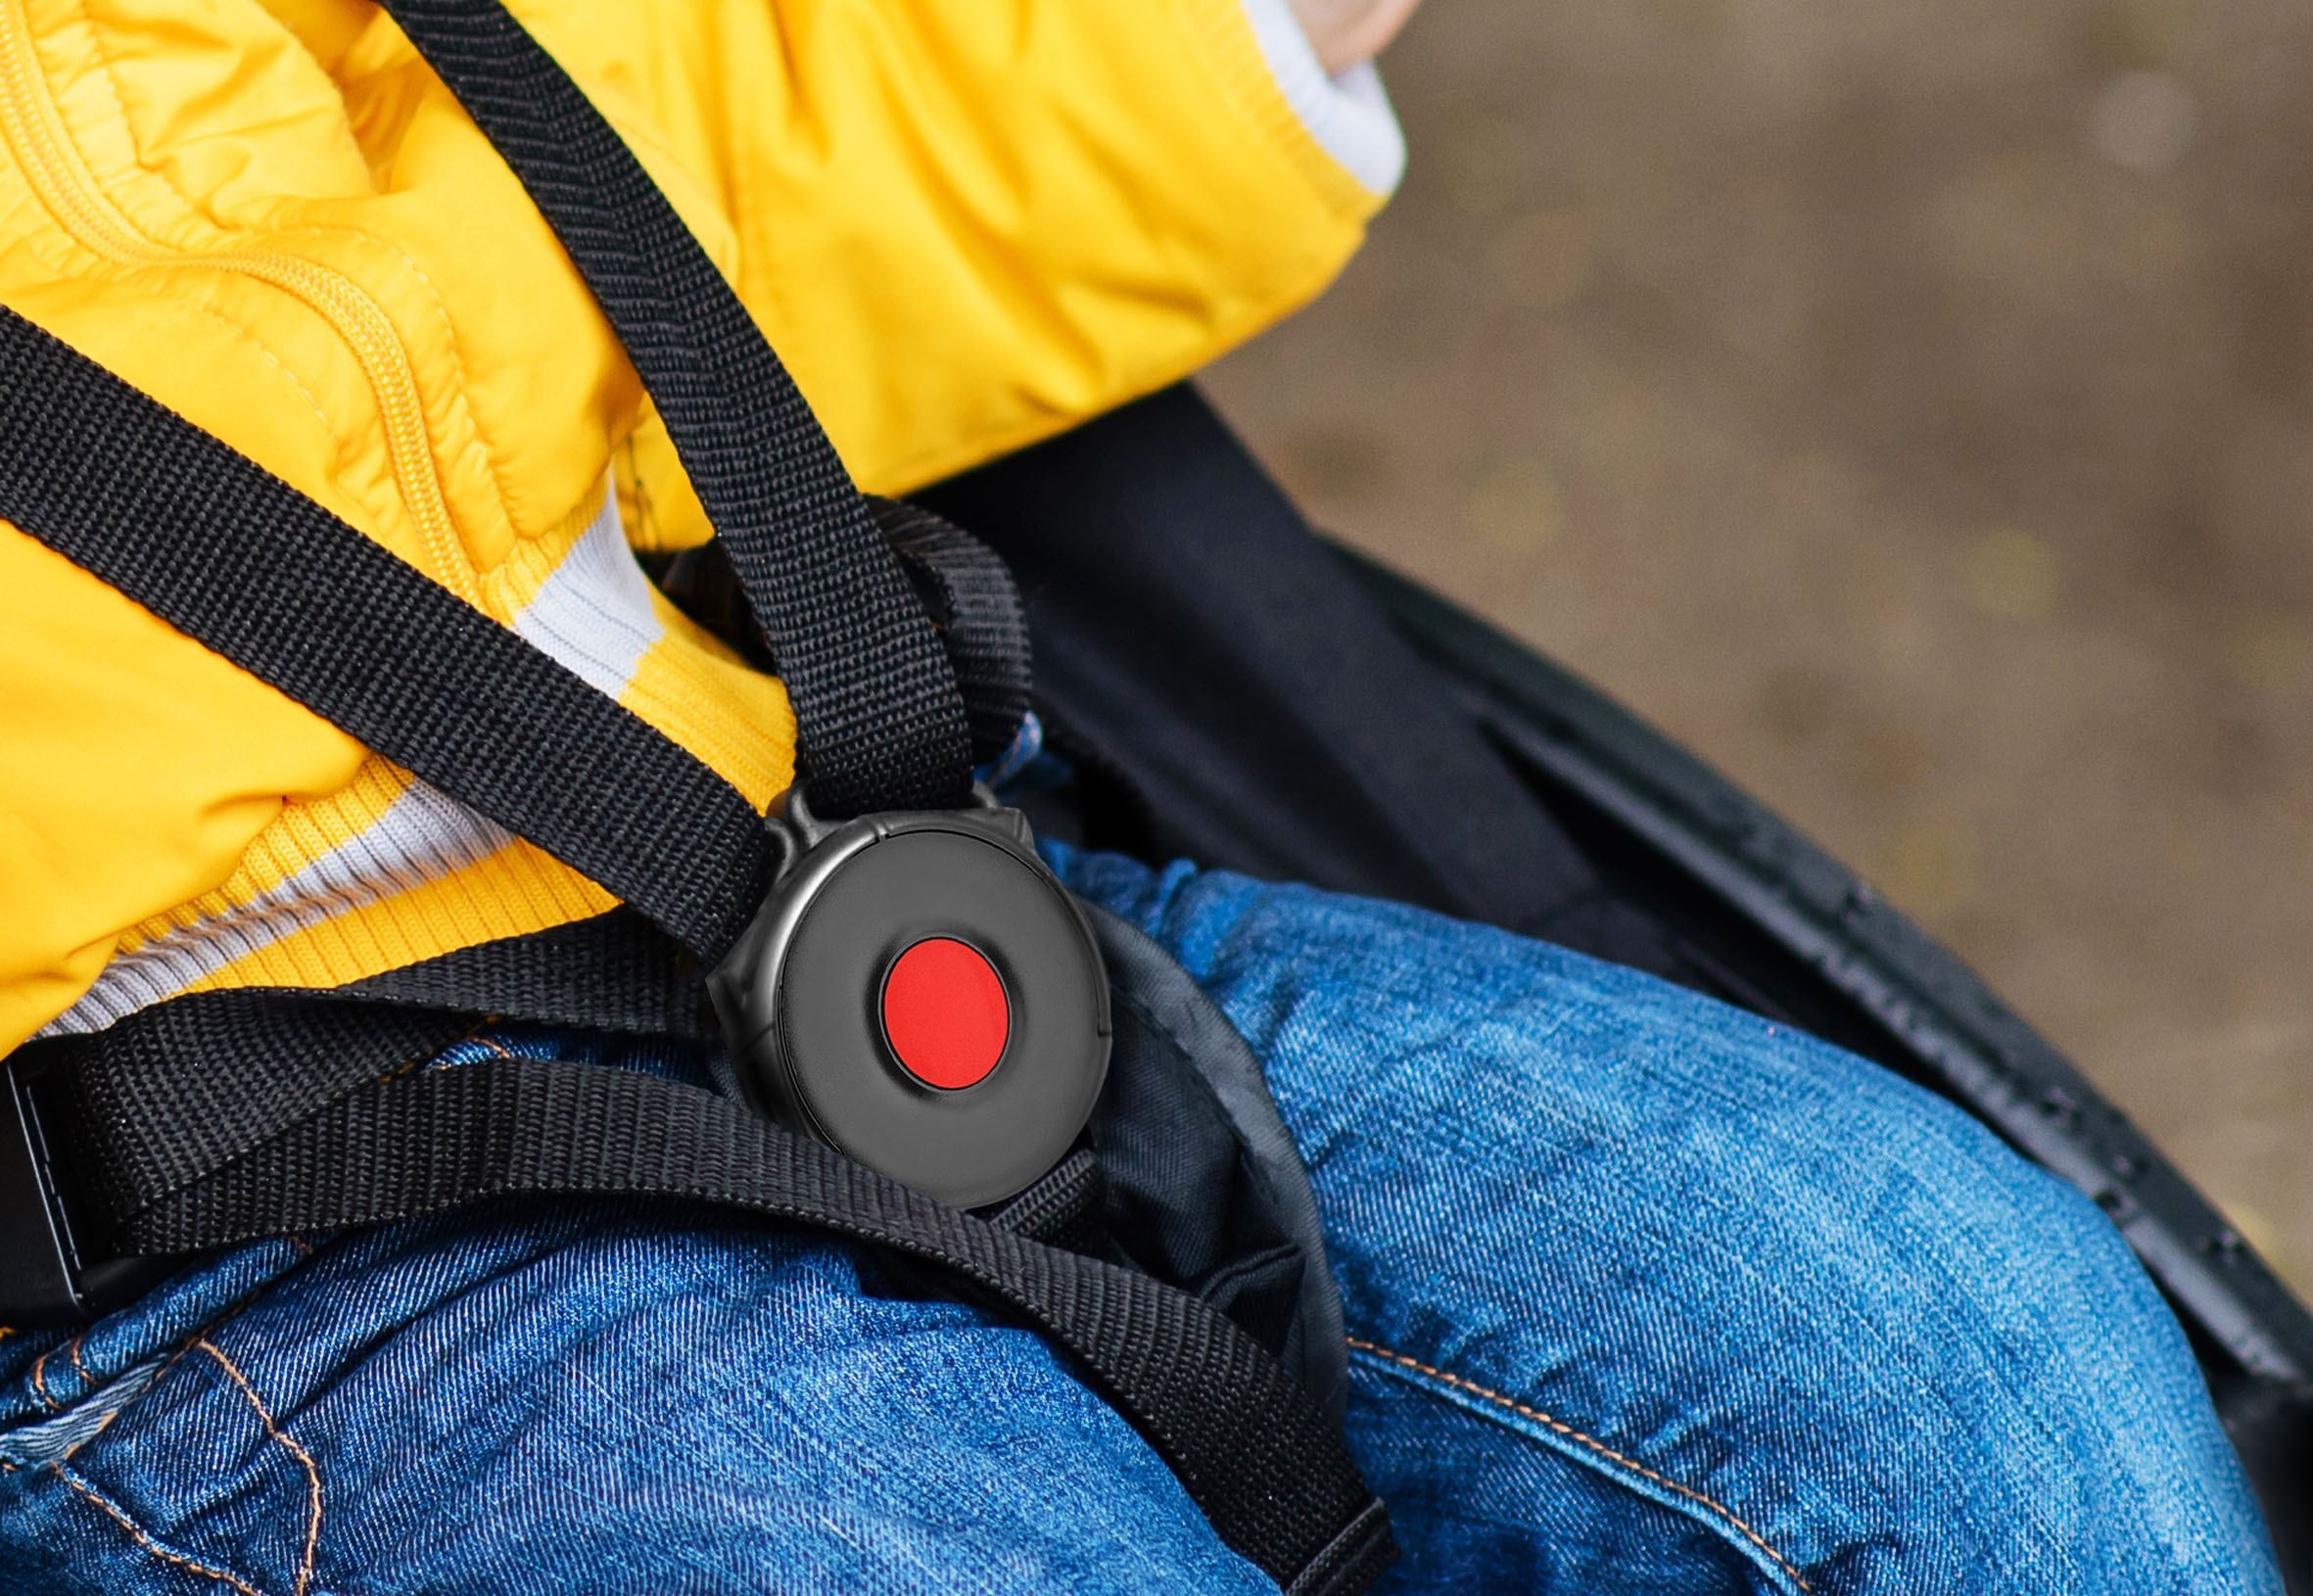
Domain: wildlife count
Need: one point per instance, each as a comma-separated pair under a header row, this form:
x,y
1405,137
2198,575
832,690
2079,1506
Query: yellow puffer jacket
x,y
964,225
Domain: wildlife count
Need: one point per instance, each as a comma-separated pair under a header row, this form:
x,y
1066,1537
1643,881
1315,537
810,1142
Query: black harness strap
x,y
969,590
233,557
168,1096
877,708
286,1125
614,972
961,584
1250,1449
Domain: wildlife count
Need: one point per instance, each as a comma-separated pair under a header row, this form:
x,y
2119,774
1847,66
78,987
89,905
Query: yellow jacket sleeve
x,y
969,226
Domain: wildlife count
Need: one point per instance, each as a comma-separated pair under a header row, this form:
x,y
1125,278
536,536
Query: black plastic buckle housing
x,y
51,1274
805,997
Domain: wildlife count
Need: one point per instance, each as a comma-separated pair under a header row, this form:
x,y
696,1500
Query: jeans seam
x,y
90,1380
40,1382
148,1542
1561,1428
304,1459
305,1251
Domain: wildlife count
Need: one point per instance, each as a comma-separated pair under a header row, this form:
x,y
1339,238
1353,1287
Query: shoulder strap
x,y
877,708
235,557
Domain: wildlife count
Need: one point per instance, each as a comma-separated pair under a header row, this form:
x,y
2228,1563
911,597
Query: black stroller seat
x,y
1232,688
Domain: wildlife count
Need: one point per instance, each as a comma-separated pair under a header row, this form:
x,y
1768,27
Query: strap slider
x,y
53,1273
43,1282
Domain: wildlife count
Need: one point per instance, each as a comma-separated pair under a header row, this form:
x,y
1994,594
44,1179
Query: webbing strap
x,y
1249,1446
877,712
236,558
961,583
969,590
614,972
156,1104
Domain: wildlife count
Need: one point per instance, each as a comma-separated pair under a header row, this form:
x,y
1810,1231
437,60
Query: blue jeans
x,y
1645,1294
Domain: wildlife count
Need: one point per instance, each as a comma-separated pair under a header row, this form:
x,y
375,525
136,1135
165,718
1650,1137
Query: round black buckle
x,y
920,993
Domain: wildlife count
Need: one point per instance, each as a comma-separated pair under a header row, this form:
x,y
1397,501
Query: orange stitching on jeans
x,y
305,1570
41,1383
433,1062
76,1363
136,1532
240,1305
1562,1427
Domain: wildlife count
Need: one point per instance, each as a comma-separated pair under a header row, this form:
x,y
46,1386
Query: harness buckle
x,y
920,993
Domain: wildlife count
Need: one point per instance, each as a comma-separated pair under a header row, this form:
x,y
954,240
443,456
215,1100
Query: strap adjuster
x,y
51,1273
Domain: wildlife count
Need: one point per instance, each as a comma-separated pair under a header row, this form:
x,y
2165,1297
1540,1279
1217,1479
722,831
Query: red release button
x,y
945,1013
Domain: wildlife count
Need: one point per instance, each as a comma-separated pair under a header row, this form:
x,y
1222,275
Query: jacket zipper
x,y
34,130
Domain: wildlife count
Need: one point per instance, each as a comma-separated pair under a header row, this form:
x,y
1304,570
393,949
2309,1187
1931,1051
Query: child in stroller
x,y
1635,1290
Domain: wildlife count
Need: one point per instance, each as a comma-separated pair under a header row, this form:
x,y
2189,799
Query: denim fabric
x,y
1643,1295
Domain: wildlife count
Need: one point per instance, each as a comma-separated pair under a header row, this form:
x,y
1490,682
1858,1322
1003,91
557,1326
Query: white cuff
x,y
1348,116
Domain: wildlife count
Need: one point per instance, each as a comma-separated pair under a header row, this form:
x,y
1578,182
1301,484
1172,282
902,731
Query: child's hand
x,y
1348,31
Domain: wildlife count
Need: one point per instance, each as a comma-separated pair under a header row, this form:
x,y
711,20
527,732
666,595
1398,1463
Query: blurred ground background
x,y
1910,407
